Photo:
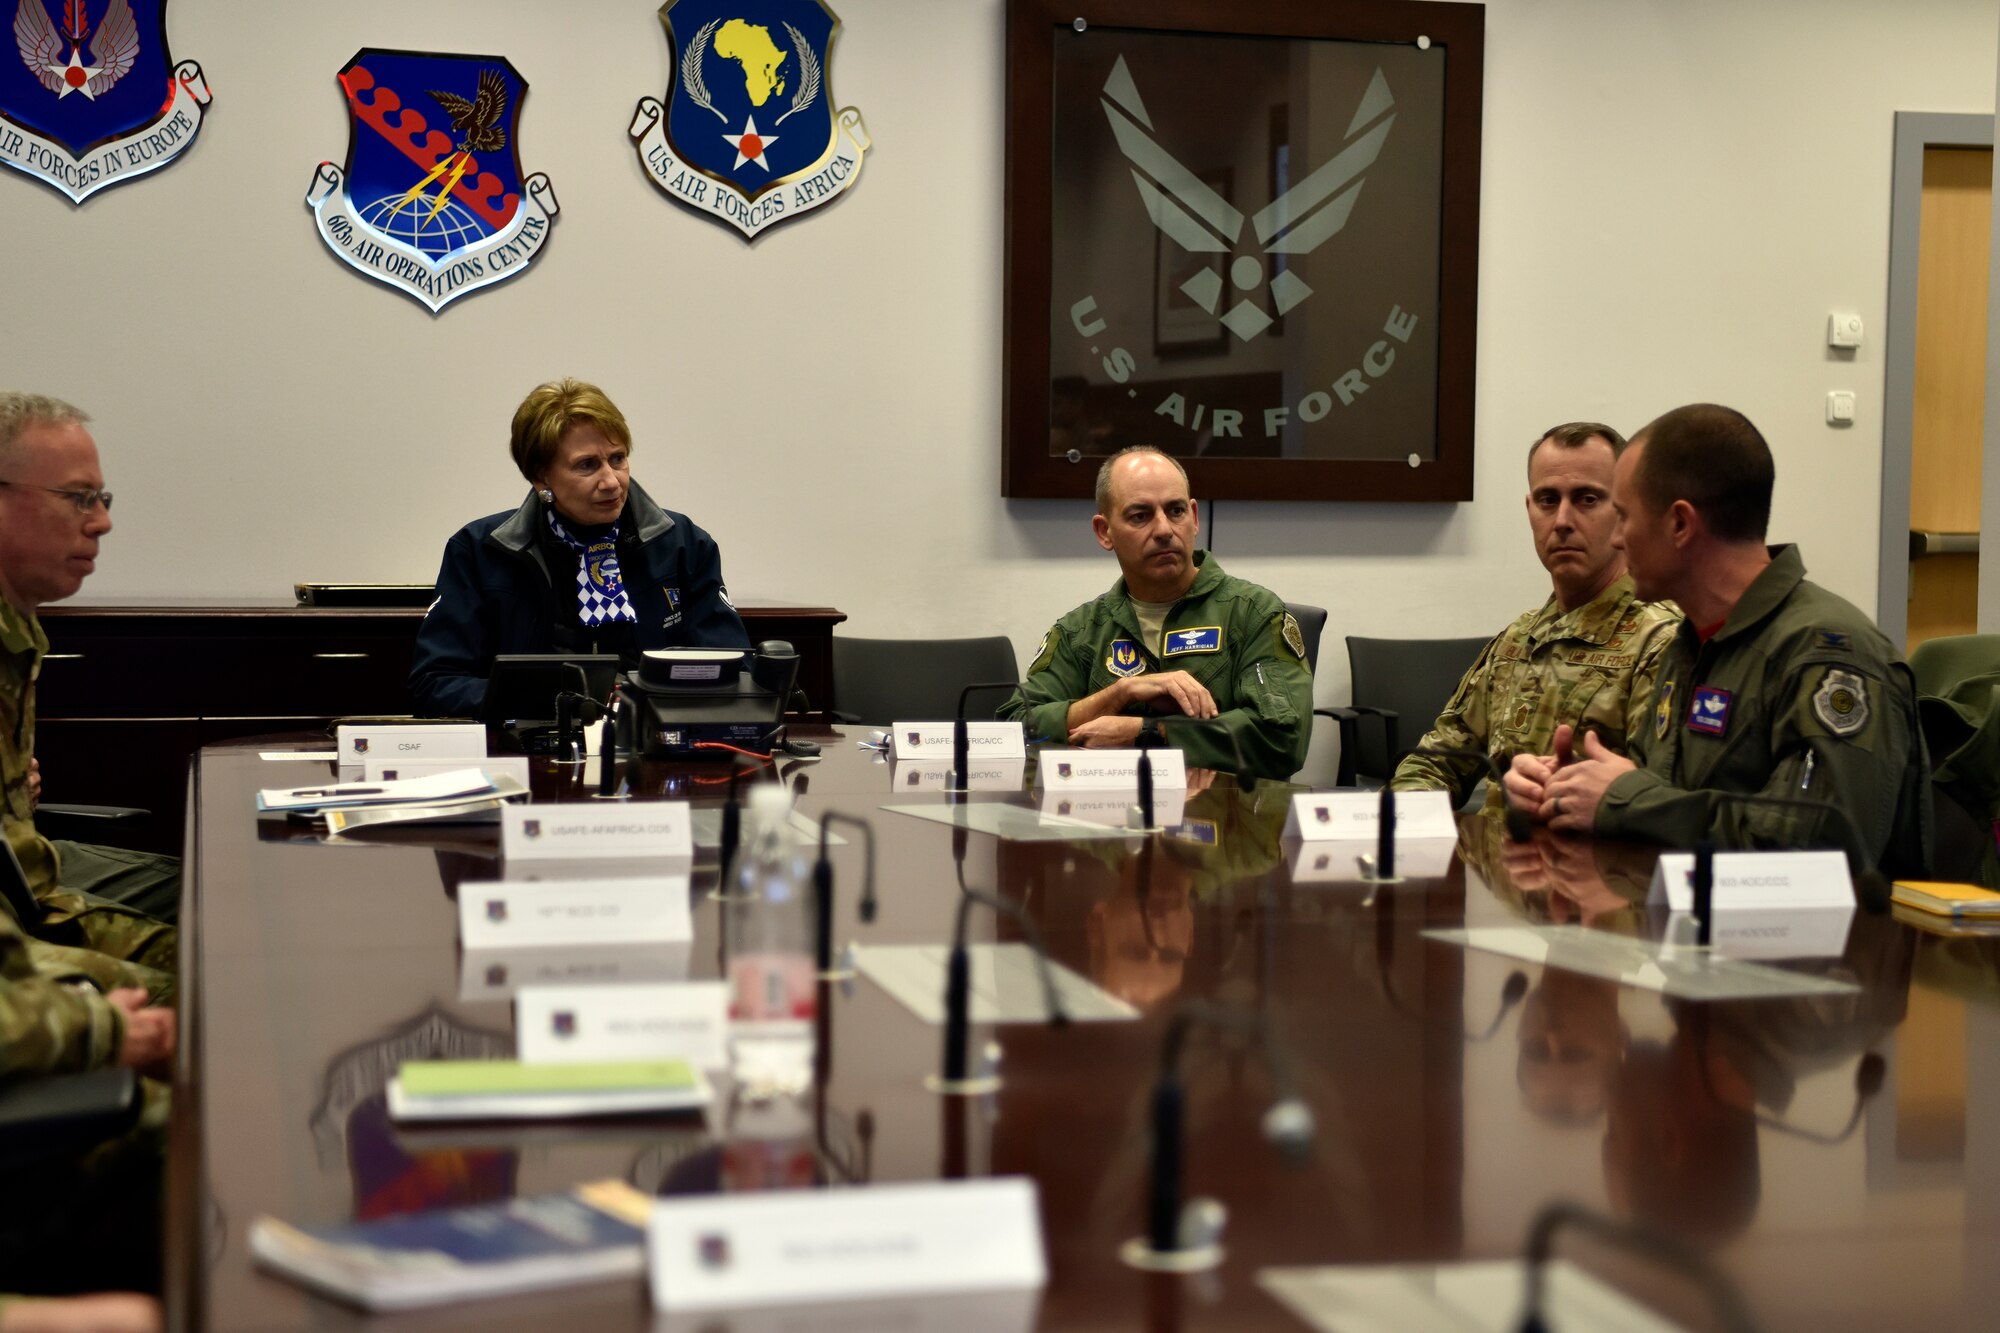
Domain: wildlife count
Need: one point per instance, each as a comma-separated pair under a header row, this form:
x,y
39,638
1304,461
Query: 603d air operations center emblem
x,y
749,134
432,200
93,99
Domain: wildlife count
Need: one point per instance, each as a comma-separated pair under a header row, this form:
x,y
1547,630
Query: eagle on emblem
x,y
111,55
479,119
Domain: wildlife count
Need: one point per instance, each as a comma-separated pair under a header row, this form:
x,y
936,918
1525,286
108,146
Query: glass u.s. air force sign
x,y
1247,234
433,200
93,98
748,134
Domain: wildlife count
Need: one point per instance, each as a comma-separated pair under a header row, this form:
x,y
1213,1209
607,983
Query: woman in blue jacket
x,y
588,564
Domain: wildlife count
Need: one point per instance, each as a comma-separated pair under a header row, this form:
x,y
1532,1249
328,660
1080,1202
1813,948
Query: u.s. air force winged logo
x,y
83,106
432,200
1193,216
749,134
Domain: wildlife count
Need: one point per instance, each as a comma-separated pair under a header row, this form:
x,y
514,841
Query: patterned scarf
x,y
600,592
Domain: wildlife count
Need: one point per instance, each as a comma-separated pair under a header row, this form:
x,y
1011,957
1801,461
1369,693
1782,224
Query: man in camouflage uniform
x,y
98,961
1585,657
1772,685
1175,638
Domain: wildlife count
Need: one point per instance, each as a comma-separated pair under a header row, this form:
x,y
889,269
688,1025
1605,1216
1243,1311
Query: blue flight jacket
x,y
502,589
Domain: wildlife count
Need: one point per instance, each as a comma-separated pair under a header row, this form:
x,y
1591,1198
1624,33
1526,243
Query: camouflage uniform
x,y
1592,668
1797,696
69,934
1232,636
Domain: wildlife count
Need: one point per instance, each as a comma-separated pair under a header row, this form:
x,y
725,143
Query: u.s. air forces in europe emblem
x,y
748,133
432,200
94,99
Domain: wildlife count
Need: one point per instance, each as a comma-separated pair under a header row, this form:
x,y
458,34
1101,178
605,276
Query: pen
x,y
1806,780
340,791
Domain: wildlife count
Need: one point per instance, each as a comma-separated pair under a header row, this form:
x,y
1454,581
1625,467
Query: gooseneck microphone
x,y
1512,991
1702,883
1519,826
1643,1241
823,882
1288,1125
961,743
958,984
1145,780
1385,835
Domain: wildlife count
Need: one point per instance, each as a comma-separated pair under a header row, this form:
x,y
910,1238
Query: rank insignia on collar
x,y
1124,658
432,200
80,107
1205,639
1841,702
748,134
1833,638
1663,711
1709,713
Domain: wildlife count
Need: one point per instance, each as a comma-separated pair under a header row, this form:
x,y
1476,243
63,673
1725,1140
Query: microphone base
x,y
611,796
962,1087
1139,1253
1382,879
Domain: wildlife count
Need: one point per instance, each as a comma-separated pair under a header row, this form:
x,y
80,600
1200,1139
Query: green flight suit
x,y
1592,667
69,932
1797,696
1232,636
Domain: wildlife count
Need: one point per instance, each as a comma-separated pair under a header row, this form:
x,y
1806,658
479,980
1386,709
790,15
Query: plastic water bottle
x,y
768,930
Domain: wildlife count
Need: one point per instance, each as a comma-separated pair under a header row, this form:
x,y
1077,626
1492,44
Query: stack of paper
x,y
509,1089
460,796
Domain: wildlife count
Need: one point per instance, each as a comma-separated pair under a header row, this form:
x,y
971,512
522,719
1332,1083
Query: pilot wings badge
x,y
1188,212
82,106
432,200
749,134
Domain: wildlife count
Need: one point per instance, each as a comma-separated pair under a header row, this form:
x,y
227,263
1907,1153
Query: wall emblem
x,y
433,200
93,99
748,133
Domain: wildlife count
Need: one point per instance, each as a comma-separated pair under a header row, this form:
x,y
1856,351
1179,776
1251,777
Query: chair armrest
x,y
844,719
88,823
53,1115
1349,720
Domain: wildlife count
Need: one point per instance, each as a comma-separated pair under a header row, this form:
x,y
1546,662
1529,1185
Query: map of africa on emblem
x,y
749,133
94,99
432,200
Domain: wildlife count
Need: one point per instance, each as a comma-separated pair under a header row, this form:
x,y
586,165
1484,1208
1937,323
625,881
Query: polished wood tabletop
x,y
1455,1092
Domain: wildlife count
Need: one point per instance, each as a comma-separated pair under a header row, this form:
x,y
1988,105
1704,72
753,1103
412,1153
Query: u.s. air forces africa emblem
x,y
432,200
748,134
82,108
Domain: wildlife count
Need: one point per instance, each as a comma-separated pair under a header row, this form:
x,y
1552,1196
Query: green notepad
x,y
488,1078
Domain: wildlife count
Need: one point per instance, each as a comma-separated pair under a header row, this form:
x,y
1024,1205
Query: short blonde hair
x,y
546,415
18,411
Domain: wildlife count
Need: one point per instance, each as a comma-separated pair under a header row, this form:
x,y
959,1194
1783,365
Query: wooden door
x,y
1948,427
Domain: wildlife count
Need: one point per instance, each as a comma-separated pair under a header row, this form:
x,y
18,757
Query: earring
x,y
548,496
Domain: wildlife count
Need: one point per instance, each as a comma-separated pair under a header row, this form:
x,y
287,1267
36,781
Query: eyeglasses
x,y
85,501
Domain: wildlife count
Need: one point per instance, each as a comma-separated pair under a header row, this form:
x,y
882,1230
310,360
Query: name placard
x,y
356,743
1757,881
496,914
579,830
933,740
394,768
602,1024
982,774
497,974
723,1251
1356,816
1086,770
1332,863
1112,808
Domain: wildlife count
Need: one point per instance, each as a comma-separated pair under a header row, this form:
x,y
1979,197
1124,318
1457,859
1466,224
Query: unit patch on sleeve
x,y
1663,712
1841,702
1124,659
1294,639
1710,712
1206,639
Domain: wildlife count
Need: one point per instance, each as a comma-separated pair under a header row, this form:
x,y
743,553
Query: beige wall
x,y
1675,194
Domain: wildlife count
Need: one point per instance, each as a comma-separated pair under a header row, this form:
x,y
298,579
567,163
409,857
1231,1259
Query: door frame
x,y
1916,131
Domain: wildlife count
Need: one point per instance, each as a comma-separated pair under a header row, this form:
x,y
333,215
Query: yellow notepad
x,y
1947,899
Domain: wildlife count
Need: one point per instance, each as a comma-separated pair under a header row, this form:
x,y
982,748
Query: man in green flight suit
x,y
1585,657
1175,639
1772,686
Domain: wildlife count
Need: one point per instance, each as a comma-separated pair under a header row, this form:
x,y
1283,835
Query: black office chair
x,y
1939,664
1958,705
1312,623
880,681
1400,686
44,1117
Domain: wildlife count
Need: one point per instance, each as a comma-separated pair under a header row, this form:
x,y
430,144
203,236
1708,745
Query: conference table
x,y
1837,1157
